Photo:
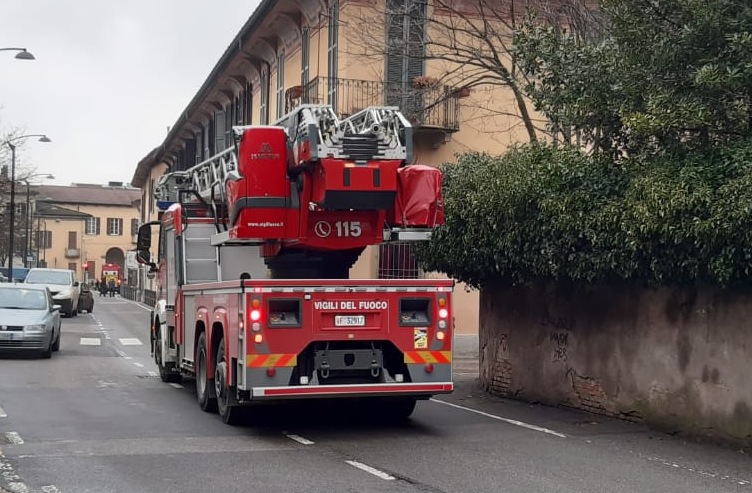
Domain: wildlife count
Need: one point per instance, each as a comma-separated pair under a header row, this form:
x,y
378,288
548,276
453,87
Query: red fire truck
x,y
112,277
253,257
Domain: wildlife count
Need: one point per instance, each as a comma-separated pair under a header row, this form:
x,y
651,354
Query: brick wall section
x,y
502,377
675,358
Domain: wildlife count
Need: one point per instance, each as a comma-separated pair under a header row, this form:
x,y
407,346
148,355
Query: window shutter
x,y
280,84
305,53
219,131
405,52
332,49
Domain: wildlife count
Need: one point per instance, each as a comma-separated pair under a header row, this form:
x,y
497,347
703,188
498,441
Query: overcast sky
x,y
108,79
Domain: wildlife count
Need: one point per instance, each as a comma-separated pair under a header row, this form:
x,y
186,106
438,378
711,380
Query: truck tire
x,y
228,410
207,400
166,373
398,410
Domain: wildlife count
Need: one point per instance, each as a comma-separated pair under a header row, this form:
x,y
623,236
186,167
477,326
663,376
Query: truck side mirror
x,y
144,239
143,244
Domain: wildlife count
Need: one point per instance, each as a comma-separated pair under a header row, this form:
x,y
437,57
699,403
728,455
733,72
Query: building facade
x,y
293,52
83,226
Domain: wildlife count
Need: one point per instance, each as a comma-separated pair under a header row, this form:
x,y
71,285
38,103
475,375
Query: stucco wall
x,y
677,358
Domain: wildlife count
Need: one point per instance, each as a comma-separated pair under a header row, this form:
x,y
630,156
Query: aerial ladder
x,y
314,190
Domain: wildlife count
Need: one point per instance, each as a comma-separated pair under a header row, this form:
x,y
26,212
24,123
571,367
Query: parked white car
x,y
62,284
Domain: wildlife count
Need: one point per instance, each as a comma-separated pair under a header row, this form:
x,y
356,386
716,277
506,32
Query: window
x,y
92,226
72,266
115,226
280,84
264,104
332,47
228,125
406,52
219,131
305,53
396,261
44,239
248,104
72,240
134,227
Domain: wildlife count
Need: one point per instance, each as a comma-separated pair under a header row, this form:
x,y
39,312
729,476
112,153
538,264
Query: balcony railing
x,y
435,107
72,253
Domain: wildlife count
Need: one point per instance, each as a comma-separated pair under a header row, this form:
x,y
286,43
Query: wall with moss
x,y
676,358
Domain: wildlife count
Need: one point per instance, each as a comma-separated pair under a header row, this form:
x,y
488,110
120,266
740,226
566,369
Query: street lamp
x,y
27,243
22,53
42,138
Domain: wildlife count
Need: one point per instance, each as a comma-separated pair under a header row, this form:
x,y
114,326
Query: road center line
x,y
3,414
14,438
299,439
500,418
371,470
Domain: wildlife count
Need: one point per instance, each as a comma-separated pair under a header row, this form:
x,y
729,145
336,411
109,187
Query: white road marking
x,y
371,470
176,385
299,439
121,353
3,414
90,341
138,364
131,341
14,438
51,489
153,374
147,308
500,418
711,474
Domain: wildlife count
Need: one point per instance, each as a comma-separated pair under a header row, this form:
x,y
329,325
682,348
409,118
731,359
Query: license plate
x,y
349,320
11,336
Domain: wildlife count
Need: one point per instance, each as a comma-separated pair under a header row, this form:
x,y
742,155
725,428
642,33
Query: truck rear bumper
x,y
325,391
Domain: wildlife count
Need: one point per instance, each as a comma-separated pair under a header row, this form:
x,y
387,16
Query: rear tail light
x,y
443,313
255,315
258,338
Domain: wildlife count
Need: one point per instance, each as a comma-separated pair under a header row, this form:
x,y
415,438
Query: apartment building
x,y
293,52
82,226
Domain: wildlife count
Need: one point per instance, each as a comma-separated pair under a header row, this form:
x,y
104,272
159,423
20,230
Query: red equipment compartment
x,y
258,203
339,184
419,202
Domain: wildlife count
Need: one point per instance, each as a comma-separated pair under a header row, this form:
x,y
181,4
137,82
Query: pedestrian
x,y
111,287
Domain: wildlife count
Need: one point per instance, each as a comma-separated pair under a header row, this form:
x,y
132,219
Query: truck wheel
x,y
204,387
399,409
230,413
165,371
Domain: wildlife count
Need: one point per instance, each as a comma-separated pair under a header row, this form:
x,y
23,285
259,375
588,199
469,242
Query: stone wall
x,y
679,359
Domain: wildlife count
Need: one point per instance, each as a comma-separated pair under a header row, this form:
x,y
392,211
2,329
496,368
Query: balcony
x,y
433,109
72,253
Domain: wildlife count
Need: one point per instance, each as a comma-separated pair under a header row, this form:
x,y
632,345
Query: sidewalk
x,y
465,361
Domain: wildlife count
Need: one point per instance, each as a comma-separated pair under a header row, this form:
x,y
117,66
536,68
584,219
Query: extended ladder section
x,y
375,133
275,179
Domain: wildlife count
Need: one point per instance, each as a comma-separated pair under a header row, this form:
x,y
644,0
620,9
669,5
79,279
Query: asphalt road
x,y
96,418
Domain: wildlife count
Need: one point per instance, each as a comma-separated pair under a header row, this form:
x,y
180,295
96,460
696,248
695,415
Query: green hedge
x,y
542,212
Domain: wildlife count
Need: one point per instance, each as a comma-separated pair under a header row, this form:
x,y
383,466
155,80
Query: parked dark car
x,y
29,319
86,298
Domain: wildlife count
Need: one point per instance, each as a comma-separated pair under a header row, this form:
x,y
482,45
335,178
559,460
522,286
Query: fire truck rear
x,y
254,251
